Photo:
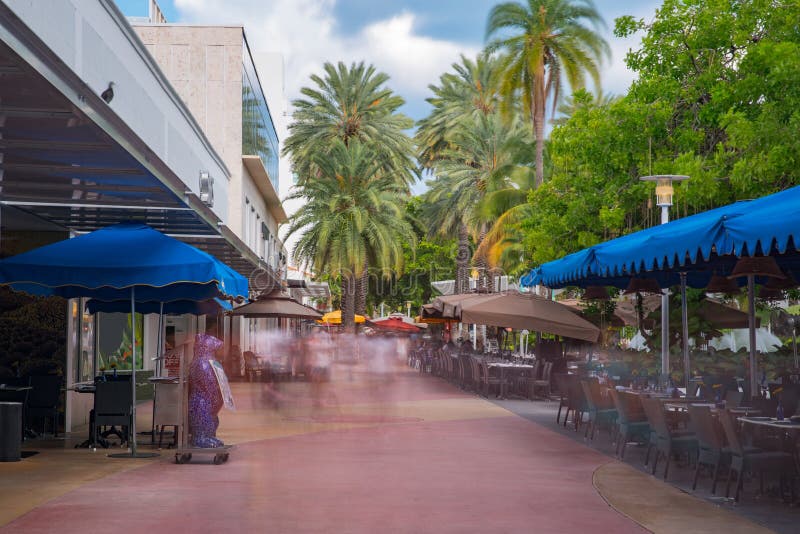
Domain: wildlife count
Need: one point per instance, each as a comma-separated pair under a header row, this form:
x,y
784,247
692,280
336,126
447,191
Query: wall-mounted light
x,y
206,189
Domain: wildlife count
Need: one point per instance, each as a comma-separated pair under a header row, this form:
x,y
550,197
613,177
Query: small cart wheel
x,y
217,459
187,457
178,459
225,457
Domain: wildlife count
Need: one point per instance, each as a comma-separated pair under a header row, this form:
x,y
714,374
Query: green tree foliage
x,y
350,106
350,103
433,259
353,216
716,99
543,43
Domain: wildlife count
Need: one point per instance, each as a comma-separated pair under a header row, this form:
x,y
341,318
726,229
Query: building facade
x,y
212,69
97,129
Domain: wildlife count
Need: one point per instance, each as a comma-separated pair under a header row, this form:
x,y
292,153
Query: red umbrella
x,y
396,324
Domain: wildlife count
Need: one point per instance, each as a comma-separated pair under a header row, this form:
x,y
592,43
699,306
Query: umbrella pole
x,y
751,321
685,333
159,356
665,336
133,371
132,438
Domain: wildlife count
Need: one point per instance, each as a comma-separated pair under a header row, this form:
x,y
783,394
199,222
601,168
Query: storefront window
x,y
114,341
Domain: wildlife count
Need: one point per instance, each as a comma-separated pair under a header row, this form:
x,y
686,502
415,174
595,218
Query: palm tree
x,y
353,216
350,103
508,207
483,155
542,41
468,91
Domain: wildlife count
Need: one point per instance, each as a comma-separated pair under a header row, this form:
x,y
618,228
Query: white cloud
x,y
306,33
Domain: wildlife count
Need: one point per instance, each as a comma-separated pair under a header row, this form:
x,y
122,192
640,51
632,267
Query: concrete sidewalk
x,y
396,452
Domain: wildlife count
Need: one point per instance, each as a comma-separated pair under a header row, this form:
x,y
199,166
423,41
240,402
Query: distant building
x,y
212,69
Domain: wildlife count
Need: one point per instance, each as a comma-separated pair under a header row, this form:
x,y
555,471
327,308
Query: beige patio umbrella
x,y
447,305
276,304
525,311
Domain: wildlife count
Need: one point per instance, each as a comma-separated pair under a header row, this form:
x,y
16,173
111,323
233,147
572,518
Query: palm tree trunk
x,y
485,280
537,116
362,290
462,259
349,283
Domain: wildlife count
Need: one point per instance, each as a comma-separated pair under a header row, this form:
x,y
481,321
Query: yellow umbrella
x,y
335,317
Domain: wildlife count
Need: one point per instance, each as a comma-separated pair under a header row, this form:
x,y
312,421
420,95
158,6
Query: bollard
x,y
10,431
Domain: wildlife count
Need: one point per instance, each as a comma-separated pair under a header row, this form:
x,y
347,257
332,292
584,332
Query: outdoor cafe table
x,y
505,369
789,428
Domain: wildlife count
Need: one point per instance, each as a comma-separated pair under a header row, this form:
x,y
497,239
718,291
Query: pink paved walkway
x,y
494,474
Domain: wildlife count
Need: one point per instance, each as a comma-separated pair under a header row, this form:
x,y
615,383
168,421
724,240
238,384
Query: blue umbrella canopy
x,y
125,262
107,263
699,244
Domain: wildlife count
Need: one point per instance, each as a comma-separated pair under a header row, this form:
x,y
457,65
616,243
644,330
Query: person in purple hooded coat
x,y
205,398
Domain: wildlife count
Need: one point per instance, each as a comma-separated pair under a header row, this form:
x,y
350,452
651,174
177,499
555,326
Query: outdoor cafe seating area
x,y
721,440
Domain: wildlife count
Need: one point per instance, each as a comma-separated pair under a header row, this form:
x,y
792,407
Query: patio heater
x,y
664,193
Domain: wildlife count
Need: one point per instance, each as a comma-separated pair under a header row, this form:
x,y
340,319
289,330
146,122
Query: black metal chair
x,y
44,400
112,406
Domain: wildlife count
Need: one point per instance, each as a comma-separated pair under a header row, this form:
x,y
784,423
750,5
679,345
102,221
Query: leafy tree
x,y
483,155
462,95
350,103
353,216
431,260
543,41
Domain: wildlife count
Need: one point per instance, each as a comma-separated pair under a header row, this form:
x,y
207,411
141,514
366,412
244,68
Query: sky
x,y
414,41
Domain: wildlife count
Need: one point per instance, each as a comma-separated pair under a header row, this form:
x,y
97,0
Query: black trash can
x,y
10,431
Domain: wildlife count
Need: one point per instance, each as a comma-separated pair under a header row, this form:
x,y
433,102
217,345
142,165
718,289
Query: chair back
x,y
587,394
733,398
548,367
789,399
466,368
46,392
575,395
112,403
562,384
477,368
633,406
705,427
250,360
619,404
656,417
537,367
767,407
731,434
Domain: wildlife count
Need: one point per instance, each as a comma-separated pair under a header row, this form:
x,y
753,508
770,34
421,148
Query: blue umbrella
x,y
127,261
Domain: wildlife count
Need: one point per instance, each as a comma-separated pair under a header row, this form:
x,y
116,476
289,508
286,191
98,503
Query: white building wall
x,y
95,41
